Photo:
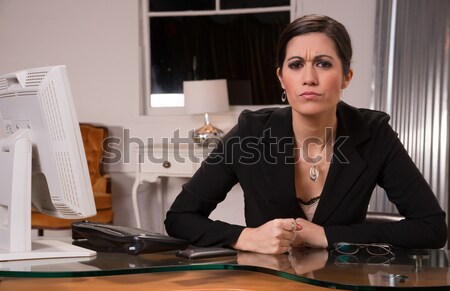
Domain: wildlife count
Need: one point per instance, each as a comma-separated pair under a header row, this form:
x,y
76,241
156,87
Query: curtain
x,y
411,83
234,47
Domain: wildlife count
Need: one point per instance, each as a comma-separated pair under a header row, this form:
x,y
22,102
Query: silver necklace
x,y
314,171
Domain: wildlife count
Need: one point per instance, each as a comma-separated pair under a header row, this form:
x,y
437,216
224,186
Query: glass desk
x,y
408,269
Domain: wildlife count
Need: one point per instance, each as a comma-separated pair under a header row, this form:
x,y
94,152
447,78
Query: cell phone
x,y
203,253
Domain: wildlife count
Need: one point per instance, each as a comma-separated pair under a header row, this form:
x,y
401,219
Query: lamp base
x,y
207,135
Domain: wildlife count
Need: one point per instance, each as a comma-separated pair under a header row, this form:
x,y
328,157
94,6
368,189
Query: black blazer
x,y
258,154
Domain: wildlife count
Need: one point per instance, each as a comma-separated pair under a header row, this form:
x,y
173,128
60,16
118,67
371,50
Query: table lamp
x,y
203,97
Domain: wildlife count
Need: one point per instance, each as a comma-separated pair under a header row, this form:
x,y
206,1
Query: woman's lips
x,y
309,95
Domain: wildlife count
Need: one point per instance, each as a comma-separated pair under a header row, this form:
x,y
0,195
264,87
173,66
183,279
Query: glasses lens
x,y
346,248
378,250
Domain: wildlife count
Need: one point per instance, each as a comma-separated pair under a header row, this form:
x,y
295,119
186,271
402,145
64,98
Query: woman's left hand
x,y
311,235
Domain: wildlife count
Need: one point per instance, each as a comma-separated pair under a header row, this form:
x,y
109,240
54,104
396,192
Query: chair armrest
x,y
102,184
381,217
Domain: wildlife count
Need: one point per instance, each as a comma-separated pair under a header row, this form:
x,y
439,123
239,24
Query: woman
x,y
308,170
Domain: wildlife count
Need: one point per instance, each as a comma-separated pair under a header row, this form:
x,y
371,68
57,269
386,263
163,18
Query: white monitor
x,y
42,161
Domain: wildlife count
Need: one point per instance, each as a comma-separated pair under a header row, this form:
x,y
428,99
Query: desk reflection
x,y
274,262
407,268
299,261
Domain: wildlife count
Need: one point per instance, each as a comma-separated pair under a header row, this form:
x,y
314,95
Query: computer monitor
x,y
42,161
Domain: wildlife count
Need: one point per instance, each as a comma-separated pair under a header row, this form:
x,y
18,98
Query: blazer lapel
x,y
347,163
278,163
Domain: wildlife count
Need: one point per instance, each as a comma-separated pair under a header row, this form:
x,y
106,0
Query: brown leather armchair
x,y
93,138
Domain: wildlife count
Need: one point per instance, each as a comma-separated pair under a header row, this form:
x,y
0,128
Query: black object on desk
x,y
131,240
204,253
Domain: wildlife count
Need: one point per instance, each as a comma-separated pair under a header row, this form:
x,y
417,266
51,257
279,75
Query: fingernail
x,y
297,222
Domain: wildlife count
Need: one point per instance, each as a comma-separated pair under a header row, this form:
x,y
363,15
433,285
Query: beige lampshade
x,y
205,96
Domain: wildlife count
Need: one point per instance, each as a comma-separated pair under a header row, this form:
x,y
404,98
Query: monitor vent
x,y
66,176
63,209
3,84
52,113
6,95
28,93
34,79
14,94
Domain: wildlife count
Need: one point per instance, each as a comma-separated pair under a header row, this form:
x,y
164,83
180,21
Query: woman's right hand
x,y
273,237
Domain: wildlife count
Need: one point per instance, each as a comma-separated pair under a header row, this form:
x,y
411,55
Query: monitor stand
x,y
15,206
47,249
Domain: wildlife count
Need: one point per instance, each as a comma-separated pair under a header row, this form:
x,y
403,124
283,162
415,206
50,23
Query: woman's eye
x,y
323,64
295,65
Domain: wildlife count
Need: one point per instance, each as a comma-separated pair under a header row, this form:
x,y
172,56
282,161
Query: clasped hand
x,y
279,235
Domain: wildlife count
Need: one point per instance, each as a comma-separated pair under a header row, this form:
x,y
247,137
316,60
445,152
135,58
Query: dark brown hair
x,y
318,23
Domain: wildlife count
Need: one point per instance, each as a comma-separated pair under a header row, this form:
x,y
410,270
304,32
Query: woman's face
x,y
312,74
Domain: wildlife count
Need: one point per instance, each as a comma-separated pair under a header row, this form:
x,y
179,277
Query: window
x,y
212,39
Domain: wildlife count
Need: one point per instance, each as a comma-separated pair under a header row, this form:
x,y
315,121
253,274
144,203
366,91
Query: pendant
x,y
314,173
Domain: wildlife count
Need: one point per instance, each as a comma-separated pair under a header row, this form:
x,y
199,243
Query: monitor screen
x,y
42,156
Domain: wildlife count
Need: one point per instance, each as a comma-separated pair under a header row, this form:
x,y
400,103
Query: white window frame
x,y
145,54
